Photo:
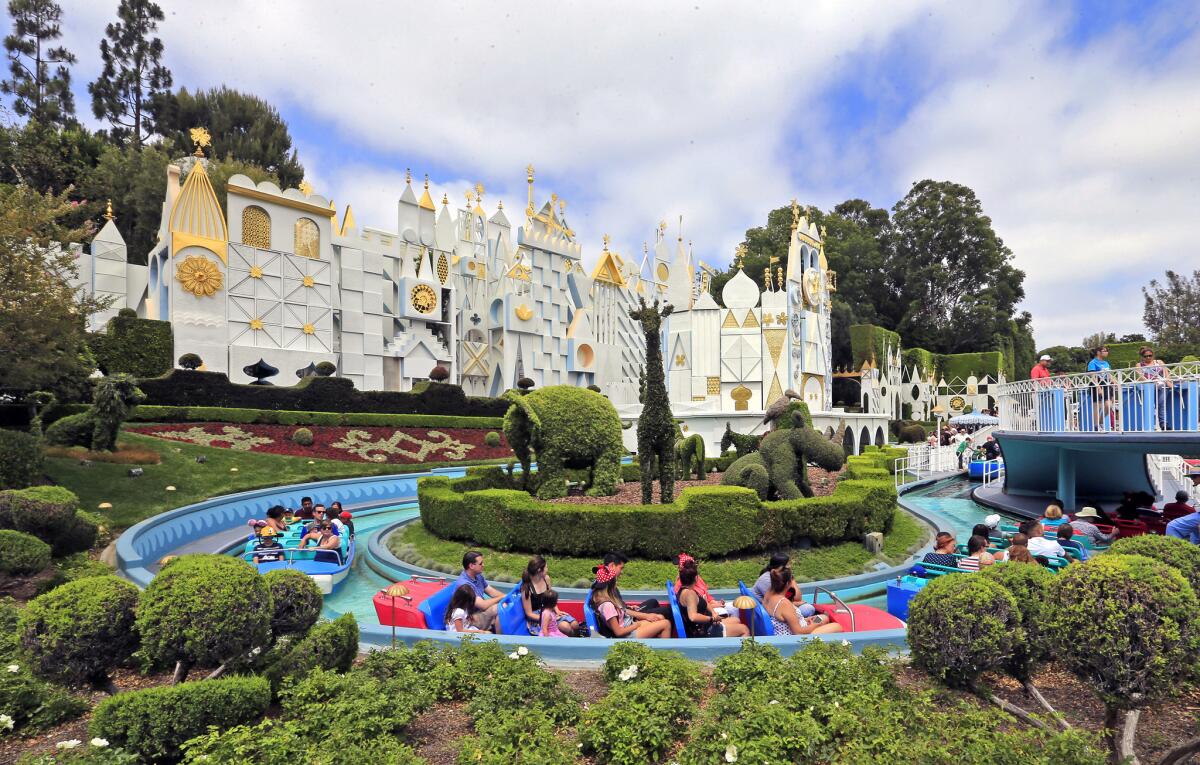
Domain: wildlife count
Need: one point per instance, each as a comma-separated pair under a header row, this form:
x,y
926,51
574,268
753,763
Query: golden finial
x,y
822,232
201,138
529,173
427,181
779,278
108,213
479,191
767,277
408,175
305,188
470,197
500,205
553,198
795,215
562,205
739,255
606,241
445,199
680,229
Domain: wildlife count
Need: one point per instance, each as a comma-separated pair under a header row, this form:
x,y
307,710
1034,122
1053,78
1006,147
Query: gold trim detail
x,y
423,298
523,312
775,339
256,227
730,322
308,281
256,272
751,321
741,396
256,324
776,392
196,217
310,329
199,276
714,386
279,199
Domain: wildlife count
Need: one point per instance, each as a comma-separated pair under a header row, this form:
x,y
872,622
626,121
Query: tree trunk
x,y
1181,753
1129,725
1012,709
1033,691
217,672
181,672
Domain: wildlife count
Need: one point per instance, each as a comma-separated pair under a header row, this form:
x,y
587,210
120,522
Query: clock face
x,y
957,403
812,286
423,298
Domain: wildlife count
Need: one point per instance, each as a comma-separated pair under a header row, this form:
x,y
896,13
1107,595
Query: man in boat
x,y
268,549
487,597
305,512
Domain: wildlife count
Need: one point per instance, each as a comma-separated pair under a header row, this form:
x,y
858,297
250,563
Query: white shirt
x,y
1042,546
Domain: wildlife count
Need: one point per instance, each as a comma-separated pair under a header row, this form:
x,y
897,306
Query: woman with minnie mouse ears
x,y
614,619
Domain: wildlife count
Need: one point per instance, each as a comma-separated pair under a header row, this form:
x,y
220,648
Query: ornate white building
x,y
278,275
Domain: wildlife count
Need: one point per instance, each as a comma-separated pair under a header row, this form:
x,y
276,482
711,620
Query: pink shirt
x,y
1040,372
700,587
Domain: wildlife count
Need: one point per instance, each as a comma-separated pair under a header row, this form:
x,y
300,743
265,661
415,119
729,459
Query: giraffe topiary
x,y
656,424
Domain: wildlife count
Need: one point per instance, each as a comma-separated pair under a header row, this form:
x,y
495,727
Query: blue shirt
x,y
1098,365
1187,527
479,584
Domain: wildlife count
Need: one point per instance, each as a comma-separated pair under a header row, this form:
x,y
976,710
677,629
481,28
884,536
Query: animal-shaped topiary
x,y
97,428
656,425
565,427
743,444
689,457
779,469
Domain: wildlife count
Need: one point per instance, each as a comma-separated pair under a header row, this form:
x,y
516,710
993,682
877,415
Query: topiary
x,y
204,609
49,513
325,368
439,374
80,631
1028,586
297,601
127,313
912,434
525,383
97,428
22,554
21,461
190,361
155,722
594,388
40,401
1179,554
492,439
329,645
1134,635
960,626
784,456
302,436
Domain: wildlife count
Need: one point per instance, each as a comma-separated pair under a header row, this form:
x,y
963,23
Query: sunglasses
x,y
1147,355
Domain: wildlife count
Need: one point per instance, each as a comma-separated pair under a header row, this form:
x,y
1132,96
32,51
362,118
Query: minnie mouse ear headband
x,y
605,574
684,558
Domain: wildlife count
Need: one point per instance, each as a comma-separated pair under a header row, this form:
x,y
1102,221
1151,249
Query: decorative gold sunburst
x,y
306,188
256,272
256,324
199,276
423,298
308,281
309,329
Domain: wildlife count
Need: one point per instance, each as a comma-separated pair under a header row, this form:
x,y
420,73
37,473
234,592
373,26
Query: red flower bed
x,y
348,444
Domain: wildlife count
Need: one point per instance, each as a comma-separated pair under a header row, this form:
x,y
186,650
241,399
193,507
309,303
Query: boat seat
x,y
589,616
762,620
328,556
510,613
680,632
434,608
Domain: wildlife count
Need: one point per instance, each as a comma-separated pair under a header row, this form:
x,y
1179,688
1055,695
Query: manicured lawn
x,y
414,542
134,499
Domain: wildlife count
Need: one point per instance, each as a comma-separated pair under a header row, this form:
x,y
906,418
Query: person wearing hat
x,y
613,619
700,586
1084,525
1041,370
347,522
268,548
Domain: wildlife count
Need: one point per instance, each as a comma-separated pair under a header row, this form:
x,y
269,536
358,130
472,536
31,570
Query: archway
x,y
879,438
864,438
848,441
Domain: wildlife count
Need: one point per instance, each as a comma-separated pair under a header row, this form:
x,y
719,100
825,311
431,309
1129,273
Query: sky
x,y
1077,124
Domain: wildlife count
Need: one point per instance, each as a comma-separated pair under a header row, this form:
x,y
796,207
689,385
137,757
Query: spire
x,y
529,178
426,200
479,200
196,217
108,213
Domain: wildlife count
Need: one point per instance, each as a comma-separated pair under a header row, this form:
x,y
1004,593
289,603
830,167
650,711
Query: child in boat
x,y
268,548
459,610
549,615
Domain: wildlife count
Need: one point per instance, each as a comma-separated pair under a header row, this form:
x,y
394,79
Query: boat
x,y
420,603
328,568
977,469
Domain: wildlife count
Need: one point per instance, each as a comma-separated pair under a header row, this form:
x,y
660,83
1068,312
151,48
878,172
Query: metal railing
x,y
1160,398
923,461
1168,474
993,472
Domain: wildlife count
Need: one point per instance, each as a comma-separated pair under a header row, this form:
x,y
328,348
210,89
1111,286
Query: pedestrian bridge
x,y
1088,436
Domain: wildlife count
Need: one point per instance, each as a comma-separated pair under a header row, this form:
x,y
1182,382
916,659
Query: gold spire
x,y
196,217
606,239
108,213
500,205
680,240
479,200
529,178
426,200
408,176
795,215
739,255
445,199
201,138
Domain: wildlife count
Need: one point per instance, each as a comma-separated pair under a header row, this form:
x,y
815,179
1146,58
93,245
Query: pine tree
x,y
133,77
40,80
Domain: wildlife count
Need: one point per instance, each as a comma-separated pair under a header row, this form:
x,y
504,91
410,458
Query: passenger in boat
x,y
535,583
1179,507
548,621
985,531
614,619
487,597
305,512
616,562
701,587
785,619
1018,550
347,522
268,549
762,585
1038,544
461,610
977,555
1065,532
700,621
334,514
323,536
1053,517
1084,525
276,518
943,551
1186,527
991,449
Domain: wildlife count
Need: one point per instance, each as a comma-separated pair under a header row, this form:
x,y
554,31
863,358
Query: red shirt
x,y
1040,372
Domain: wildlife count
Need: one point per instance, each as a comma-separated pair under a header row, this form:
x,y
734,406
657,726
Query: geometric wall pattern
x,y
277,300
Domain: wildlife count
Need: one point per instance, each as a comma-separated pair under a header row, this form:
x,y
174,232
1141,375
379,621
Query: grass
x,y
134,499
414,543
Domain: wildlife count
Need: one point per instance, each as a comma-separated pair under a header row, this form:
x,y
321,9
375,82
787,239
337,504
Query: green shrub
x,y
149,413
1141,611
329,645
302,436
960,626
97,428
912,434
49,513
140,347
190,361
755,664
1179,554
519,682
72,430
296,599
21,460
81,631
35,704
295,741
326,368
517,737
22,554
204,609
1028,585
492,439
155,722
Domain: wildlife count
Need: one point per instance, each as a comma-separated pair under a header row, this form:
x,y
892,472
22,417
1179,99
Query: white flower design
x,y
99,743
731,753
846,643
514,655
13,667
628,673
522,651
6,722
774,701
71,744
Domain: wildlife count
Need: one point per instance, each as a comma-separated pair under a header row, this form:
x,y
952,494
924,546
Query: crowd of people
x,y
474,604
1104,386
323,528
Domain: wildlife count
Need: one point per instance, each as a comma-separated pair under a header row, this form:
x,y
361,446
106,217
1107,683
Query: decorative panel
x,y
307,239
256,227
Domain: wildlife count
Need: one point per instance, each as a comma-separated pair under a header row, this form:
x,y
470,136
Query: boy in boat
x,y
267,549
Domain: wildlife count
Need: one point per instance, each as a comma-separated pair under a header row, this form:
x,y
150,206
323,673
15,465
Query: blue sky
x,y
1075,123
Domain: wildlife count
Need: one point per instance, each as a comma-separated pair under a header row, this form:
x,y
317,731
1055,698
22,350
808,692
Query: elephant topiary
x,y
689,457
97,428
565,427
779,469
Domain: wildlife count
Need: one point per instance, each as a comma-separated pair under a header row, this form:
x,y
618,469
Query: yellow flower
x,y
199,276
309,329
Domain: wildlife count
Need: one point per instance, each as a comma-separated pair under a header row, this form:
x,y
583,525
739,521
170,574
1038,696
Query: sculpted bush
x,y
1179,554
49,513
783,456
22,554
21,460
960,626
296,599
97,428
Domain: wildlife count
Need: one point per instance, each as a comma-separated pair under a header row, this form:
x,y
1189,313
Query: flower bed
x,y
349,444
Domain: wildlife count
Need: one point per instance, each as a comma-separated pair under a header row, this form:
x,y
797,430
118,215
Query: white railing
x,y
923,461
1169,473
993,472
1163,398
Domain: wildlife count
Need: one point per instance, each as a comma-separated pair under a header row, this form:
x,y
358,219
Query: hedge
x,y
329,646
183,387
155,722
140,347
50,514
21,460
871,343
705,520
153,413
22,554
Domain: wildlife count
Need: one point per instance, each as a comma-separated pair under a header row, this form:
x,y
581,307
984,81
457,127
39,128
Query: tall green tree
x,y
42,315
949,270
1172,309
48,158
244,127
134,76
39,71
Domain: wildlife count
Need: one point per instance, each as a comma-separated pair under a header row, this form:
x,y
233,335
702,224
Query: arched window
x,y
256,227
308,239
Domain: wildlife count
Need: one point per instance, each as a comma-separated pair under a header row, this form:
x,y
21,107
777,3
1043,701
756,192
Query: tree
x,y
949,270
42,316
1172,310
1135,337
133,77
244,128
136,182
50,159
1098,339
39,92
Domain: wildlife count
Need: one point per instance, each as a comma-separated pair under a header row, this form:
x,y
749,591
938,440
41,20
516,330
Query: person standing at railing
x,y
1041,370
1102,393
1153,370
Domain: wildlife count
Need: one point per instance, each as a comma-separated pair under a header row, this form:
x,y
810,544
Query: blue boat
x,y
328,567
977,468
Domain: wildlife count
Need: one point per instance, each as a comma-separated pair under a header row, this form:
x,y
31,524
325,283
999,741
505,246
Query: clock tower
x,y
809,284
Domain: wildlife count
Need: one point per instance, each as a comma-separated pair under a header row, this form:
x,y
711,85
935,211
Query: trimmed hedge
x,y
182,387
871,343
1179,554
21,460
328,646
705,520
155,722
153,413
962,626
297,601
50,514
22,554
140,347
